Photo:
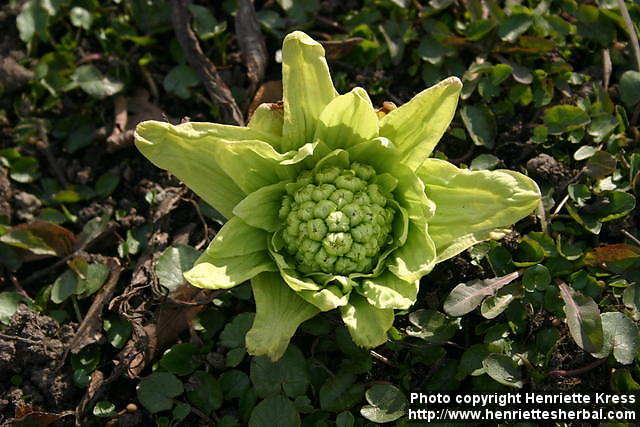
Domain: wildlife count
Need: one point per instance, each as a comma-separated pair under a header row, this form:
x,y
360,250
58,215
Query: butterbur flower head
x,y
337,220
331,205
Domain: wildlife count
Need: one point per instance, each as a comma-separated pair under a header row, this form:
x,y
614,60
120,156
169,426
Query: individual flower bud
x,y
293,219
289,239
367,213
316,229
350,182
365,264
327,175
354,213
285,208
292,230
305,177
324,260
305,258
357,252
303,232
379,215
323,192
305,213
337,244
364,172
389,215
371,247
362,198
345,266
341,197
304,194
337,221
310,246
323,208
376,195
362,232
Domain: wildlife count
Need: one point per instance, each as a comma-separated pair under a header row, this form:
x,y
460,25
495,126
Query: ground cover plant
x,y
98,325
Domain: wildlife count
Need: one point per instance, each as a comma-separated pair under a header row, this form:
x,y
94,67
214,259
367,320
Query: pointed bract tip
x,y
147,132
453,81
301,37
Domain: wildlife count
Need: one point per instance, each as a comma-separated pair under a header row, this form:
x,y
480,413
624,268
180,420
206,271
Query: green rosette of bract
x,y
330,205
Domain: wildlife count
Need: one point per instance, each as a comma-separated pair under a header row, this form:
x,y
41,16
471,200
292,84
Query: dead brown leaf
x,y
172,319
336,49
31,416
128,112
617,257
41,238
268,92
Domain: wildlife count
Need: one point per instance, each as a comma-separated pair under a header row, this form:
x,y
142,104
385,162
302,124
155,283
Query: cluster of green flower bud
x,y
336,220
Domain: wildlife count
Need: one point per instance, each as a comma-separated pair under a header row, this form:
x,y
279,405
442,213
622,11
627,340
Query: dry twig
x,y
89,330
216,88
252,45
578,371
120,136
633,36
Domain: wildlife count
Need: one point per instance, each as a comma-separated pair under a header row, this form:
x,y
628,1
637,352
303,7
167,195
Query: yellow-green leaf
x,y
279,312
212,272
368,325
389,291
472,206
347,120
416,127
189,152
307,88
260,208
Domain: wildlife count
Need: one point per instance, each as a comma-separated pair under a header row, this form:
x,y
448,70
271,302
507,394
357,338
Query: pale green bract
x,y
331,204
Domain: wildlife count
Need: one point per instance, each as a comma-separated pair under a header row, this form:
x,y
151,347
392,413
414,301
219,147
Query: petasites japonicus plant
x,y
331,204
